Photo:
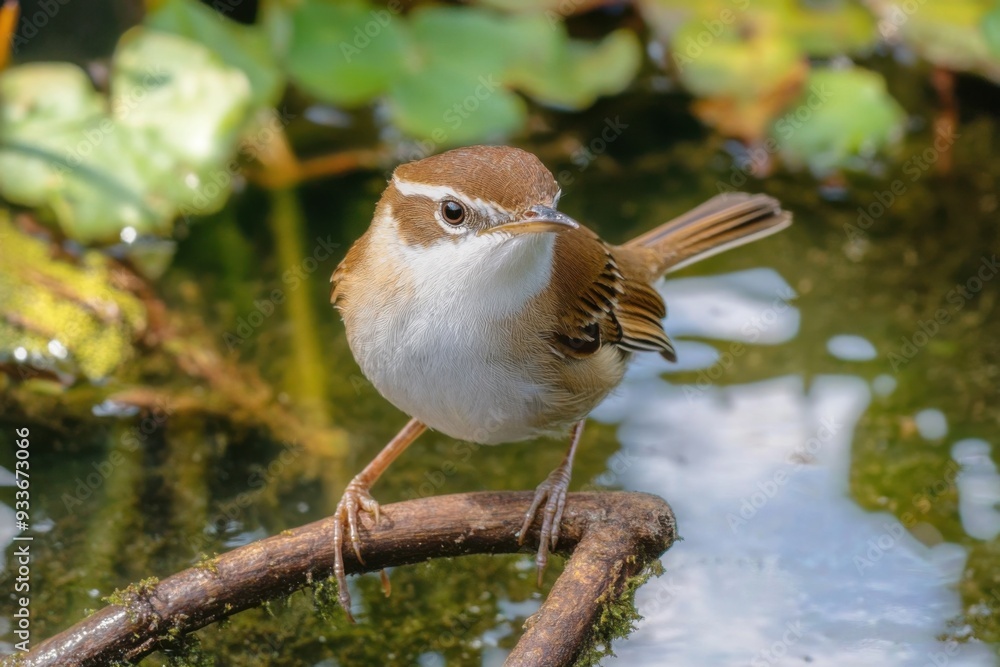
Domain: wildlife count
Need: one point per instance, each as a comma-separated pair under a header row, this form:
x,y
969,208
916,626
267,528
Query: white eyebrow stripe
x,y
438,192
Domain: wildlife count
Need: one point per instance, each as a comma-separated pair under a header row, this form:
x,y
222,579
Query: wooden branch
x,y
612,537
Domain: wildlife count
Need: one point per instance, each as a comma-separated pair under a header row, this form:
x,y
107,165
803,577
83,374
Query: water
x,y
826,438
777,553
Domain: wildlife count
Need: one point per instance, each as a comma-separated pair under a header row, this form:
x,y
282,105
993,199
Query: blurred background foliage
x,y
189,90
197,98
219,125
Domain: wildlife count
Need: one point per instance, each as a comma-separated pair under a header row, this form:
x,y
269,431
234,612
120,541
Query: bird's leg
x,y
552,492
357,498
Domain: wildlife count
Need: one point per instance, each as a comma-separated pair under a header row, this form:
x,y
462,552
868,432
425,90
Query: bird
x,y
481,311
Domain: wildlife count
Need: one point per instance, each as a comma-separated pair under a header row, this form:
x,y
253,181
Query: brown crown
x,y
509,177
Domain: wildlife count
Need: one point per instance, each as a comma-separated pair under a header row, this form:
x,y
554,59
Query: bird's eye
x,y
452,212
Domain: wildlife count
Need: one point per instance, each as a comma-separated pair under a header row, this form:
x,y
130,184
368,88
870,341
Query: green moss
x,y
618,616
186,651
131,594
325,600
76,305
980,589
208,563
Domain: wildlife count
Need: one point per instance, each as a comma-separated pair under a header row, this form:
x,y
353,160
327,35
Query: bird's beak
x,y
538,219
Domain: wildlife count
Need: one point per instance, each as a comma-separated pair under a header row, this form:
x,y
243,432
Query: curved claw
x,y
529,516
343,595
355,499
551,492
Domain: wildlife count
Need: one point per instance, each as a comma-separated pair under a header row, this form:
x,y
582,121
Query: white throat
x,y
492,276
435,342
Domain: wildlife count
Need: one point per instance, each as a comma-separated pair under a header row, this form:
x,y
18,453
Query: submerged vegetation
x,y
171,210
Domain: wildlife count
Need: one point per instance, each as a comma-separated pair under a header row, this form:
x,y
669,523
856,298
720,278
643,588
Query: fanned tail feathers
x,y
723,222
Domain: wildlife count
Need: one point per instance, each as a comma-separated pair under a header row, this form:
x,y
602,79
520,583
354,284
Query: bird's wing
x,y
601,304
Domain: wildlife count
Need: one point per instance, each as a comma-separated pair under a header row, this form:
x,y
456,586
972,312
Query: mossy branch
x,y
613,537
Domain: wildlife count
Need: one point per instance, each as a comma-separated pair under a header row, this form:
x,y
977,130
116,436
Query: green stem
x,y
305,380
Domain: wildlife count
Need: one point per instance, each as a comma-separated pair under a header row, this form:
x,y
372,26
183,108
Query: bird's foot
x,y
551,492
356,499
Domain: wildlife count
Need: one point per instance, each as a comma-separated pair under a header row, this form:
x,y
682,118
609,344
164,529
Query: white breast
x,y
438,344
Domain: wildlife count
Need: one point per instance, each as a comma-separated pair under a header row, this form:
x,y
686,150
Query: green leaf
x,y
450,109
62,153
606,68
158,146
346,53
950,33
447,71
824,130
833,28
743,63
991,30
38,103
244,47
555,70
181,96
469,40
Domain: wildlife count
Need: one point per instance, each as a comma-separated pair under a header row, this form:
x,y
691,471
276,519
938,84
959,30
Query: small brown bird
x,y
477,308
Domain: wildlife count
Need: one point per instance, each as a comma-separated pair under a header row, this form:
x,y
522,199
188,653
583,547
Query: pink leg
x,y
357,498
553,493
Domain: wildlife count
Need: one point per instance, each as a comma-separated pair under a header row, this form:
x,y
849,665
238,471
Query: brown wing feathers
x,y
609,291
640,313
586,277
603,305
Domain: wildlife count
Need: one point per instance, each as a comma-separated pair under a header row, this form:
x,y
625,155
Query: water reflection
x,y
777,564
978,488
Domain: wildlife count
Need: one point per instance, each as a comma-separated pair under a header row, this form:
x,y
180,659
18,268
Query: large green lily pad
x,y
345,53
449,74
244,47
157,145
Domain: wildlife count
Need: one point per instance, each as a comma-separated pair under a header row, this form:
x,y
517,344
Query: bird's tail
x,y
723,222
